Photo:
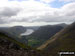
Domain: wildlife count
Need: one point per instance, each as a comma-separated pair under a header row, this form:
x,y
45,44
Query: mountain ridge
x,y
62,41
44,33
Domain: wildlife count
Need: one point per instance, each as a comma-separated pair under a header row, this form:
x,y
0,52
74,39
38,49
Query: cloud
x,y
6,11
47,1
68,0
34,12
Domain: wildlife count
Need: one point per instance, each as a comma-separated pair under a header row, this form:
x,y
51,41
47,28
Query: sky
x,y
36,12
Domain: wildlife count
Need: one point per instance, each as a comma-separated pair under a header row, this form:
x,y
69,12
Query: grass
x,y
33,42
14,41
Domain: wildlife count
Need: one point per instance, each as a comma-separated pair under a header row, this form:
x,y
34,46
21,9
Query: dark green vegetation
x,y
62,41
32,42
11,47
42,34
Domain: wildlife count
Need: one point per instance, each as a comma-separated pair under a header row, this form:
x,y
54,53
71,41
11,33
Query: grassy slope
x,y
62,41
42,34
2,35
26,49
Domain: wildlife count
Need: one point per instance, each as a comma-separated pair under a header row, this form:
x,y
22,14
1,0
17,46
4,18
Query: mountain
x,y
61,41
17,30
11,47
33,27
42,34
63,25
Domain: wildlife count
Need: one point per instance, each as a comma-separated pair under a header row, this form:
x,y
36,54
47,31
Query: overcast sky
x,y
36,12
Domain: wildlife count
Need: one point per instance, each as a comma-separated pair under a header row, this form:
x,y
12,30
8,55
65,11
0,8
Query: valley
x,y
43,41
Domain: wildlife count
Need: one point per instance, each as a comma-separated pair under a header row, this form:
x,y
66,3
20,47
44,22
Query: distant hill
x,y
63,25
11,47
42,34
62,41
33,27
17,30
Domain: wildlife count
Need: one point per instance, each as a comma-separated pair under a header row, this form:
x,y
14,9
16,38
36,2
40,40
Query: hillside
x,y
42,34
33,27
17,30
62,41
11,47
63,25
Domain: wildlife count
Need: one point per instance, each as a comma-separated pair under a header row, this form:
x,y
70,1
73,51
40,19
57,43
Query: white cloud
x,y
47,1
68,0
33,12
